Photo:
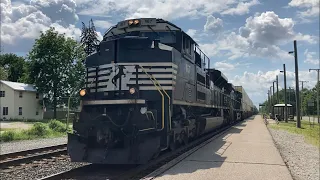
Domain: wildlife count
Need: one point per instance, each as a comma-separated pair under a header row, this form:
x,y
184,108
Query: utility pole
x,y
317,92
297,82
301,98
277,90
285,93
271,101
273,98
268,101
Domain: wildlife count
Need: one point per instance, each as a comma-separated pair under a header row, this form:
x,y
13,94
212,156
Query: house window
x,y
20,111
37,95
20,94
5,111
37,113
2,94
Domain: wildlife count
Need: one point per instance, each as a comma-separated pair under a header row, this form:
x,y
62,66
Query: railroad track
x,y
22,157
147,171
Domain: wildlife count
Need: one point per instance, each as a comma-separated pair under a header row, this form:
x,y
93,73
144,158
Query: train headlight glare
x,y
130,22
136,21
132,90
83,92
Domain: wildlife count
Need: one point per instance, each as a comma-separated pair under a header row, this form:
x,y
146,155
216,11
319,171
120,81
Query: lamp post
x,y
285,93
297,82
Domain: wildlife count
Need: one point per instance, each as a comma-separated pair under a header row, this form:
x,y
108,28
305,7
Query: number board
x,y
148,21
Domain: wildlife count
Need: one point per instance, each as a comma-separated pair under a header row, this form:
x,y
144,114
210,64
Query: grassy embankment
x,y
310,133
49,129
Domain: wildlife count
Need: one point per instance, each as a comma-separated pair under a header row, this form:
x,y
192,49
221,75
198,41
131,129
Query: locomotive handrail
x,y
161,95
169,100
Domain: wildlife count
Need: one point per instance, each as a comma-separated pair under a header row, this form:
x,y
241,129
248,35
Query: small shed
x,y
278,110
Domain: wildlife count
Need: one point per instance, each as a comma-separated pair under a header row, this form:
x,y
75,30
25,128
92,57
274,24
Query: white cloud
x,y
209,49
258,84
311,7
21,23
60,11
308,38
103,24
259,37
241,9
267,28
310,57
167,9
191,32
213,24
223,66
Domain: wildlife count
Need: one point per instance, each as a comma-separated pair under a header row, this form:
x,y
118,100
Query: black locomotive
x,y
150,88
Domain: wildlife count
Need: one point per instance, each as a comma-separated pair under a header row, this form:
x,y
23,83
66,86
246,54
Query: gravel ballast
x,y
10,147
39,170
301,158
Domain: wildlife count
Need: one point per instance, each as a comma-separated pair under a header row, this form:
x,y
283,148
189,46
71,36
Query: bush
x,y
39,129
7,136
57,126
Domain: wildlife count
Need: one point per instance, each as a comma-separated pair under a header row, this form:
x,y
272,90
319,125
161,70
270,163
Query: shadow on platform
x,y
207,157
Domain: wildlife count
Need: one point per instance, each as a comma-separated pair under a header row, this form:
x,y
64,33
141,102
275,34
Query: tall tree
x,y
54,66
3,74
14,66
89,38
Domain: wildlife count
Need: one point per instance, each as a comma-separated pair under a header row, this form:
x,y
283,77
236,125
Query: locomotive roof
x,y
146,23
219,79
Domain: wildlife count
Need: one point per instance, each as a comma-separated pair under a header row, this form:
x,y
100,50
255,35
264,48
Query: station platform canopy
x,y
282,105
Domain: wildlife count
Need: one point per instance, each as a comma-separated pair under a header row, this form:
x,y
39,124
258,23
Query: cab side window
x,y
187,46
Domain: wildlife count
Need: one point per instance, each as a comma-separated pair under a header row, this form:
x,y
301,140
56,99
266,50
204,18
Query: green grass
x,y
311,134
51,129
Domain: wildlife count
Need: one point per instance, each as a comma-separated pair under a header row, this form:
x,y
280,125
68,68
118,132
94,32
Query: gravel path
x,y
301,158
32,172
10,147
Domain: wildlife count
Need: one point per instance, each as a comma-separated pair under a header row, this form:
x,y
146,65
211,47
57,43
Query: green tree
x,y
3,74
55,66
308,95
89,38
14,66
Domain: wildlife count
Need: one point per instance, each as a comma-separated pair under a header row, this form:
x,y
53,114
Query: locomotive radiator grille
x,y
101,79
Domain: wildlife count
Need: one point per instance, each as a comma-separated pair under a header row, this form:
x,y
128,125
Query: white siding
x,y
7,101
29,103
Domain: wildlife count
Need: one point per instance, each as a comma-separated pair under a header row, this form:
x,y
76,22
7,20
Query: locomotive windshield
x,y
166,37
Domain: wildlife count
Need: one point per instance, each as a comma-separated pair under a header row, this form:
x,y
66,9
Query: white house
x,y
19,101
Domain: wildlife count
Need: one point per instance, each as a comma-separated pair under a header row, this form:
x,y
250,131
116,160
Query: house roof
x,y
19,86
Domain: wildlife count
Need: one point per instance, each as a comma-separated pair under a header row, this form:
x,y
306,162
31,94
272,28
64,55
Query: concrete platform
x,y
245,152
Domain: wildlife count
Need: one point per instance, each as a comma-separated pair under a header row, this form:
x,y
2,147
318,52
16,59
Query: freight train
x,y
149,88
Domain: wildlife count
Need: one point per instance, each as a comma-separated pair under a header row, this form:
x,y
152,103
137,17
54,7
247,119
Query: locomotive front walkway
x,y
245,152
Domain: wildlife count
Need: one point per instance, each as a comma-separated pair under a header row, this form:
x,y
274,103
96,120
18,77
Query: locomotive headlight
x,y
130,22
132,90
136,21
83,92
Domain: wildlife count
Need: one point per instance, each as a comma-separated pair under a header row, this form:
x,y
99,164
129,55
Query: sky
x,y
248,40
